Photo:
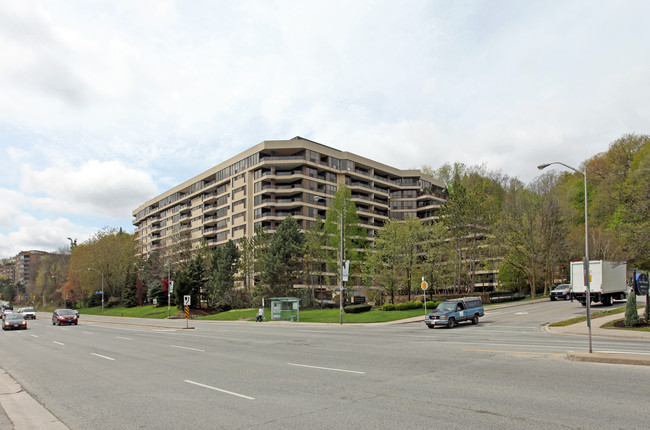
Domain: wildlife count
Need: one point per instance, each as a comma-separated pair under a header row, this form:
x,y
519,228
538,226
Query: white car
x,y
28,313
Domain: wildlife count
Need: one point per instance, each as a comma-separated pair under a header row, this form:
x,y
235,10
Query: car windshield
x,y
562,287
28,310
14,317
66,312
445,307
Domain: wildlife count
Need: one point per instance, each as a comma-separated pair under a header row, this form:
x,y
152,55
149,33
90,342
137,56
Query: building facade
x,y
261,186
22,269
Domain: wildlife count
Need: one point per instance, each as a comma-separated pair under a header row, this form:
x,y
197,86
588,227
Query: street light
x,y
340,263
586,259
102,292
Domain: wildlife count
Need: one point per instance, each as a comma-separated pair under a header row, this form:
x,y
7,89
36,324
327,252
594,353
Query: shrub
x,y
631,312
431,305
388,307
357,309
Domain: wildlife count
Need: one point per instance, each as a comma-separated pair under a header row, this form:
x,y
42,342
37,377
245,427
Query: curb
x,y
610,358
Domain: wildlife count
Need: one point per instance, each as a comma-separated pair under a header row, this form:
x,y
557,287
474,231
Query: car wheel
x,y
566,297
53,323
583,303
451,323
475,320
552,298
431,326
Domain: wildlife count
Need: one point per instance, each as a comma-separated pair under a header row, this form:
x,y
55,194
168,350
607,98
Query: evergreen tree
x,y
129,299
282,260
631,312
189,281
223,266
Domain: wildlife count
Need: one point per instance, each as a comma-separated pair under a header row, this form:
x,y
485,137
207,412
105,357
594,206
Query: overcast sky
x,y
106,104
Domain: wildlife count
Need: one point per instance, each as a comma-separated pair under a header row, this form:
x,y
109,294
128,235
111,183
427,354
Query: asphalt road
x,y
506,372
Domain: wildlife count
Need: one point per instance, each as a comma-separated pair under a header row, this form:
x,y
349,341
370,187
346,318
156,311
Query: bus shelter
x,y
285,308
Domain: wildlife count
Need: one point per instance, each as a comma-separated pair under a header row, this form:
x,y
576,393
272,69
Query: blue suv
x,y
452,312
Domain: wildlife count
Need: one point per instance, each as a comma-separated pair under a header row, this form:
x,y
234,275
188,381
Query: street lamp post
x,y
341,263
102,292
585,263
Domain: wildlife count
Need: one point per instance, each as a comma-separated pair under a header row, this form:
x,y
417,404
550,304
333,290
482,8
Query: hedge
x,y
357,309
411,305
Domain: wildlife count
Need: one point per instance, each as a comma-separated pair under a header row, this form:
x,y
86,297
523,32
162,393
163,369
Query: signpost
x,y
187,300
424,286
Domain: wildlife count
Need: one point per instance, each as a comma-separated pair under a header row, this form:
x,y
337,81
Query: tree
x,y
129,298
315,255
437,249
519,232
383,267
354,236
631,312
189,282
223,266
282,259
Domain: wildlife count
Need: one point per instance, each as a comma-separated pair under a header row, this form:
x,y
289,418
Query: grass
x,y
306,315
322,315
149,311
611,325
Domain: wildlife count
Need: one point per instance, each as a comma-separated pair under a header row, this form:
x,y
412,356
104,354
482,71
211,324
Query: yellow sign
x,y
424,285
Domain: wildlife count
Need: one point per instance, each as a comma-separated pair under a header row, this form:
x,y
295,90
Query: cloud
x,y
106,188
43,234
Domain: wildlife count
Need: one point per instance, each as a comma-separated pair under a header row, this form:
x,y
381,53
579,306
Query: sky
x,y
107,104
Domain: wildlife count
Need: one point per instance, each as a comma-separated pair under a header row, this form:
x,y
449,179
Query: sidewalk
x,y
19,409
581,329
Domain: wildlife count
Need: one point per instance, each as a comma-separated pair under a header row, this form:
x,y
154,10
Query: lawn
x,y
306,315
149,311
322,315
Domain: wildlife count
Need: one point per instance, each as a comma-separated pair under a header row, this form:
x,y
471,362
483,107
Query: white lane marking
x,y
521,313
125,338
185,347
326,368
102,356
33,335
87,332
161,330
58,343
220,390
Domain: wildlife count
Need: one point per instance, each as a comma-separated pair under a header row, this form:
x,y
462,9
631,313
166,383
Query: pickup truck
x,y
451,312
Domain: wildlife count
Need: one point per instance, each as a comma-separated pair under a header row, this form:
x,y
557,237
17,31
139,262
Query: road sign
x,y
187,300
187,312
424,285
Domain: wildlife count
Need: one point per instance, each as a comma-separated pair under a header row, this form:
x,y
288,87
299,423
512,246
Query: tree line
x,y
491,223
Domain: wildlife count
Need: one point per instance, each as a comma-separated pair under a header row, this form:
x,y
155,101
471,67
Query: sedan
x,y
64,316
562,291
14,322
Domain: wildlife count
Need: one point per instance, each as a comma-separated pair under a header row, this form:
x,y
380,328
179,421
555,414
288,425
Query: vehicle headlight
x,y
443,317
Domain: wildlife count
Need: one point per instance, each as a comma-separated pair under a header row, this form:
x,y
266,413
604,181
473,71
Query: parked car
x,y
14,322
562,291
451,312
28,313
64,316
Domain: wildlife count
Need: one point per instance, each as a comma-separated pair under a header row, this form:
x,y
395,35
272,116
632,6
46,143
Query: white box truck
x,y
607,281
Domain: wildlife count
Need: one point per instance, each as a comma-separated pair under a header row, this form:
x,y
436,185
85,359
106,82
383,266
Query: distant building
x,y
22,269
264,184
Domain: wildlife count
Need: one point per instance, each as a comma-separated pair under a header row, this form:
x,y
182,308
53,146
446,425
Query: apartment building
x,y
22,268
273,179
